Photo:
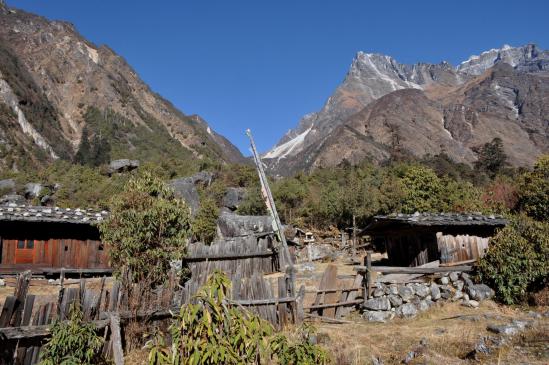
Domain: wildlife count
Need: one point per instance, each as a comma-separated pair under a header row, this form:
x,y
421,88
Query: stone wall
x,y
407,300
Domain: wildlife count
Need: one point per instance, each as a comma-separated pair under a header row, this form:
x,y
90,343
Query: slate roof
x,y
27,213
395,221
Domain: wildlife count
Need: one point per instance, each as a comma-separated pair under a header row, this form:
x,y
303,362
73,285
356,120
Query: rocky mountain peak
x,y
523,57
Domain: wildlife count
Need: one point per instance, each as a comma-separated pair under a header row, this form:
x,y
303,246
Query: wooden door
x,y
25,251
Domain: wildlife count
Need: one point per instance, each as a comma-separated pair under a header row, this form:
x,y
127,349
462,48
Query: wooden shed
x,y
46,239
419,238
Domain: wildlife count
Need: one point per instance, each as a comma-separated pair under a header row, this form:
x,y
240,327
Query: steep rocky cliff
x,y
54,84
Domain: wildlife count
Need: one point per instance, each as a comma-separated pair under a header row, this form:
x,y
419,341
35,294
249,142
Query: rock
x,y
407,310
395,300
379,292
444,280
186,191
378,316
459,285
391,289
32,190
122,165
454,276
2,283
13,199
504,329
466,279
234,225
47,201
445,295
470,303
378,304
376,360
203,177
233,198
406,293
7,186
421,290
305,267
521,324
480,292
458,295
423,305
533,314
320,251
435,292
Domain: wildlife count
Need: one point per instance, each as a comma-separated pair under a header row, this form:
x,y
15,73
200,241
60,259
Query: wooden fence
x,y
24,324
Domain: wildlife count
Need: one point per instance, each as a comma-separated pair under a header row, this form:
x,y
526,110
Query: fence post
x,y
368,276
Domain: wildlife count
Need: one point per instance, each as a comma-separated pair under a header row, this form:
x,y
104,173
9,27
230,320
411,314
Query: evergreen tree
x,y
83,154
491,158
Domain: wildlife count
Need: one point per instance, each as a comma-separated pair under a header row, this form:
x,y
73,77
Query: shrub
x,y
73,342
422,190
204,226
146,229
212,332
491,158
517,260
297,349
534,190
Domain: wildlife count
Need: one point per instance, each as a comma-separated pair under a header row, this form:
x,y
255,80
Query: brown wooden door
x,y
25,251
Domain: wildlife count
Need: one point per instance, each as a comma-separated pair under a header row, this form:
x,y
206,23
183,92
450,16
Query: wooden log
x,y
118,353
459,263
331,297
20,294
235,256
333,305
412,270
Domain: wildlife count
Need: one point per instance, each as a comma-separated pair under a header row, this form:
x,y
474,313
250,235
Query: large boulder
x,y
186,191
233,198
234,225
202,177
32,190
320,251
122,165
7,186
480,292
13,199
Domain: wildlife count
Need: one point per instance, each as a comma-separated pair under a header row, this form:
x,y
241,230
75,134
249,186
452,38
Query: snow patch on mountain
x,y
288,147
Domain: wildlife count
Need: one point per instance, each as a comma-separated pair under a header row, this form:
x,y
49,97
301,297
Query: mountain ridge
x,y
373,76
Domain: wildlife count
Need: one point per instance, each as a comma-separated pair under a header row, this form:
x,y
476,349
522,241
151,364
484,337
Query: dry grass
x,y
448,339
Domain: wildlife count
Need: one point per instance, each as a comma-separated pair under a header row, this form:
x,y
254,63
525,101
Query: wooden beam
x,y
228,256
412,270
327,319
333,305
118,352
451,264
254,302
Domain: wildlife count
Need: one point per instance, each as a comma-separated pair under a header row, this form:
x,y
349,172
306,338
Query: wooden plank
x,y
412,270
282,308
7,311
235,256
118,353
368,288
327,319
20,294
459,263
300,313
331,297
343,311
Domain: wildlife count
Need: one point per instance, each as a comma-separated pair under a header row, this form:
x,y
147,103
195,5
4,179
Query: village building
x,y
419,238
46,239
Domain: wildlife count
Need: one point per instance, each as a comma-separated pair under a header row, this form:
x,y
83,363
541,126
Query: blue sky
x,y
264,64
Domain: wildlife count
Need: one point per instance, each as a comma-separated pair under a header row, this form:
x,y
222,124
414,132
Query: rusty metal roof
x,y
28,213
395,221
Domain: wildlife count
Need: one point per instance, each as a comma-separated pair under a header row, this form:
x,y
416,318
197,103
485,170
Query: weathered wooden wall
x,y
458,248
67,253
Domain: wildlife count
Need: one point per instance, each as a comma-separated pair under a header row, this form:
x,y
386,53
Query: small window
x,y
66,248
100,248
21,244
30,244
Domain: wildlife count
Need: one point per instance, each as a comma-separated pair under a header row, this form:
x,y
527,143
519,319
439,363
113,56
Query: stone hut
x,y
419,238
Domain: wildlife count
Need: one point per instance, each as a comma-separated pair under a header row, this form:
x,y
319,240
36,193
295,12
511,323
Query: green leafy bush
x,y
212,332
517,260
534,190
422,190
73,342
204,225
146,229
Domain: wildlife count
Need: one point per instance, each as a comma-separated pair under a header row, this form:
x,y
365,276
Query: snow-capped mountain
x,y
373,76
